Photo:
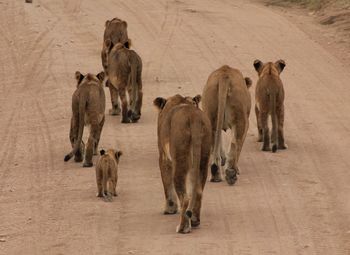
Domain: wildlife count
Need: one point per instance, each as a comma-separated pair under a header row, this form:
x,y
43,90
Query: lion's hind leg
x,y
99,175
195,219
168,184
98,135
123,99
265,131
258,122
90,146
138,104
280,116
181,169
115,110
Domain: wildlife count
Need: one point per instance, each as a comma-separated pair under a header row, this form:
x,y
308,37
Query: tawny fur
x,y
124,74
107,173
269,98
116,32
184,143
88,107
227,103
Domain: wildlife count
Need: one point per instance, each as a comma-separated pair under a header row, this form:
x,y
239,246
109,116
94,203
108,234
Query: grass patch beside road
x,y
313,4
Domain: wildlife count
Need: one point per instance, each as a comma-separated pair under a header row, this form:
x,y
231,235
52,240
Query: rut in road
x,y
292,202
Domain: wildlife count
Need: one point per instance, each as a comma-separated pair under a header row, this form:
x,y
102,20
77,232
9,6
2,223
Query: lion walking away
x,y
115,31
269,97
227,103
107,172
124,67
88,108
184,143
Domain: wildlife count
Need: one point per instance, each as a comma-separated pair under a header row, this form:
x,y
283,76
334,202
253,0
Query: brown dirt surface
x,y
292,202
327,23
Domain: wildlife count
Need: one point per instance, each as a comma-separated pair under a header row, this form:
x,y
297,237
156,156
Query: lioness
x,y
184,143
269,97
227,103
88,108
124,68
107,172
116,31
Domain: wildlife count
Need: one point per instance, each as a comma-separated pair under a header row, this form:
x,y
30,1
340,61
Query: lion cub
x,y
107,171
269,98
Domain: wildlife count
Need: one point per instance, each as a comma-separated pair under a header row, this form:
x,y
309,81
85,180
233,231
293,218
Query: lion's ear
x,y
125,24
197,99
107,23
248,82
118,155
280,65
79,77
258,65
101,76
127,44
159,102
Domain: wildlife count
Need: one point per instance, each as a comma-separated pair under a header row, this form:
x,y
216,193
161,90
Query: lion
x,y
184,143
88,107
227,103
107,172
124,67
116,31
269,97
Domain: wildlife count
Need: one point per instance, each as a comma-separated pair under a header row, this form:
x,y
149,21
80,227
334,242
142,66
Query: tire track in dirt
x,y
285,203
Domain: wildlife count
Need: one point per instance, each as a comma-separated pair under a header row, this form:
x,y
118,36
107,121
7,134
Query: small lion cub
x,y
107,171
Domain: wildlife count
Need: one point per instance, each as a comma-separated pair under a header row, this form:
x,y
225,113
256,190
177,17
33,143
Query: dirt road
x,y
293,202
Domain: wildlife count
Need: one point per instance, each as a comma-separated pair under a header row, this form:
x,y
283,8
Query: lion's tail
x,y
196,140
77,144
222,97
274,121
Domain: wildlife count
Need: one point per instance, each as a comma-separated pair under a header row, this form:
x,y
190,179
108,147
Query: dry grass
x,y
313,4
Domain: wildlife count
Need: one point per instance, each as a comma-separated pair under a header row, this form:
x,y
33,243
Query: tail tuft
x,y
214,169
102,152
274,148
189,214
67,157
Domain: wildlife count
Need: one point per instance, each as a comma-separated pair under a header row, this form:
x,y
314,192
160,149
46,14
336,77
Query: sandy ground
x,y
329,26
293,202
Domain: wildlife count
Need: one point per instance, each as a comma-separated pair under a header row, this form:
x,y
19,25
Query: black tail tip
x,y
274,148
214,169
67,157
189,214
102,152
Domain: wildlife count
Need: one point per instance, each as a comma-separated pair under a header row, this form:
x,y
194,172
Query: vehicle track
x,y
292,202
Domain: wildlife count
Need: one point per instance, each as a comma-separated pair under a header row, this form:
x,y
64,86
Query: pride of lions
x,y
189,138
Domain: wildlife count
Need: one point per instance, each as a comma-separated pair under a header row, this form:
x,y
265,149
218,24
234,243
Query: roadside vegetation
x,y
314,4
